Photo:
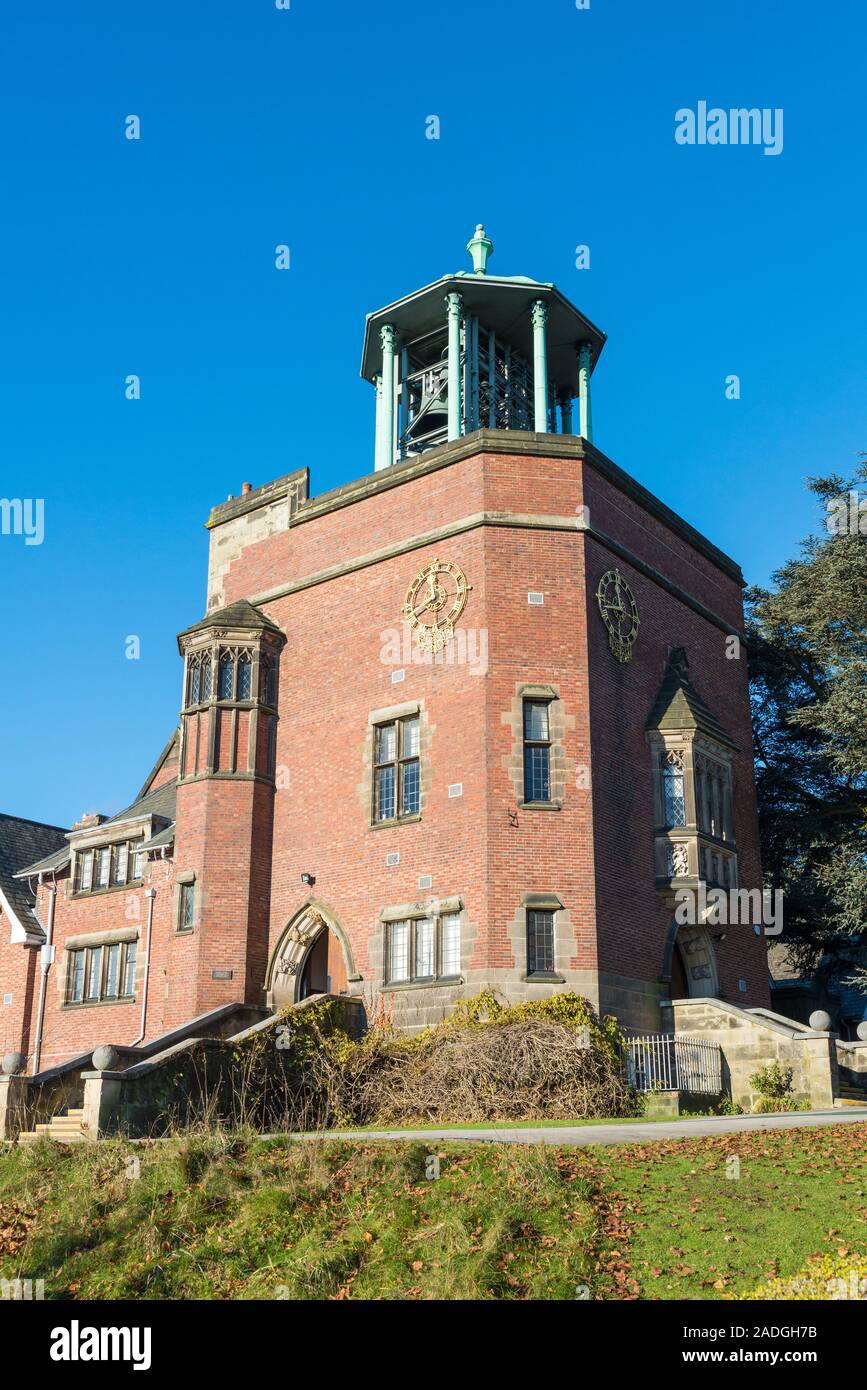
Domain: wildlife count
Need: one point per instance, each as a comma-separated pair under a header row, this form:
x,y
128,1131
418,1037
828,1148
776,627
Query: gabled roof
x,y
156,803
679,705
159,804
21,841
170,748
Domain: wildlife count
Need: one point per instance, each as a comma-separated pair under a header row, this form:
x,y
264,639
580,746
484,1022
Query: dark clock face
x,y
619,612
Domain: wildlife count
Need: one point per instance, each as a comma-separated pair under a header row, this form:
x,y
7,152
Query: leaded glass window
x,y
413,948
673,790
425,943
103,864
112,967
100,973
537,751
76,986
120,858
245,676
451,945
130,956
226,688
94,966
186,904
540,942
398,952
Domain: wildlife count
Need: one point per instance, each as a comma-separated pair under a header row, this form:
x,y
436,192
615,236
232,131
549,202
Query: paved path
x,y
640,1132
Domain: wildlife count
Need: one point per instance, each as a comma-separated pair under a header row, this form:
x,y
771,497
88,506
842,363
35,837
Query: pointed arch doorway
x,y
689,963
312,956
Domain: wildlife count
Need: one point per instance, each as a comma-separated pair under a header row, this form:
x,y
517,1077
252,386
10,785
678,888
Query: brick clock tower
x,y
225,806
521,721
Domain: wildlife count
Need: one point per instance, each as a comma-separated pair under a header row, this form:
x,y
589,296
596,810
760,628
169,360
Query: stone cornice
x,y
485,441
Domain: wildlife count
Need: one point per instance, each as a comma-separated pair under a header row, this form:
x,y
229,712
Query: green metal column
x,y
454,304
565,412
540,367
377,452
585,426
386,458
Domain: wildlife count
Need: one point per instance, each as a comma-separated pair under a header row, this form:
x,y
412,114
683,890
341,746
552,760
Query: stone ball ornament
x,y
14,1063
861,1030
105,1058
820,1022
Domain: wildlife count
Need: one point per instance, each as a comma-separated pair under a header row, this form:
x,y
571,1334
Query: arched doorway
x,y
689,963
312,956
323,970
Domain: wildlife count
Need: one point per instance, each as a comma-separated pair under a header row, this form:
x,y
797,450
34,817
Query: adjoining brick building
x,y
469,720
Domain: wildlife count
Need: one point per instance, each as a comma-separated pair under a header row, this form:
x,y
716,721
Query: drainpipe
x,y
46,961
150,894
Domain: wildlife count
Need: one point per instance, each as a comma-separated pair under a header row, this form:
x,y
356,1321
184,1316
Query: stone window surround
x,y
559,724
407,710
185,879
436,909
96,841
542,902
117,936
688,743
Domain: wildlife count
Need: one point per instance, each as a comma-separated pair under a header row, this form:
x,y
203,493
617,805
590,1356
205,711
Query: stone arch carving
x,y
293,946
699,959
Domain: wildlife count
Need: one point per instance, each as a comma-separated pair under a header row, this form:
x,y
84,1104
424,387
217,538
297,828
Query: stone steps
x,y
62,1129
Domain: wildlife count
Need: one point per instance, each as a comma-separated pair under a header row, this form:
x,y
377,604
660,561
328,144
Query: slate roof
x,y
679,705
20,842
159,803
239,614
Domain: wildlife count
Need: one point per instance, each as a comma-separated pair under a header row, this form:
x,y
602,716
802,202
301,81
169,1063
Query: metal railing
x,y
665,1062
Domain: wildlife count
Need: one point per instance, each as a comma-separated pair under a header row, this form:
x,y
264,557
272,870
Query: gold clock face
x,y
619,613
434,601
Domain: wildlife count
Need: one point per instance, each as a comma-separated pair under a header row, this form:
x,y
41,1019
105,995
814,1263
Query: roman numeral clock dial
x,y
434,601
619,612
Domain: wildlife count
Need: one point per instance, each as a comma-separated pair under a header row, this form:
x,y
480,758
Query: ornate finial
x,y
480,248
678,662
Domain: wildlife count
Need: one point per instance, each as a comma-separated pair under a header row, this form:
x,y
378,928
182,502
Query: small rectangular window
x,y
227,677
76,977
137,866
112,968
84,864
424,949
94,971
186,904
103,866
398,952
537,751
540,942
120,858
245,676
129,968
451,947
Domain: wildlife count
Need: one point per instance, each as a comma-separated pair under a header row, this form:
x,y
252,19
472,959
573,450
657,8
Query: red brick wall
x,y
73,1029
596,852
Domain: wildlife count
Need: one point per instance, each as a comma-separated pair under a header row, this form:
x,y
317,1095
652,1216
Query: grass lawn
x,y
234,1217
681,1227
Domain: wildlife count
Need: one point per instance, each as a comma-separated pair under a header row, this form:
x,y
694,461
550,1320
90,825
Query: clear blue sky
x,y
307,127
